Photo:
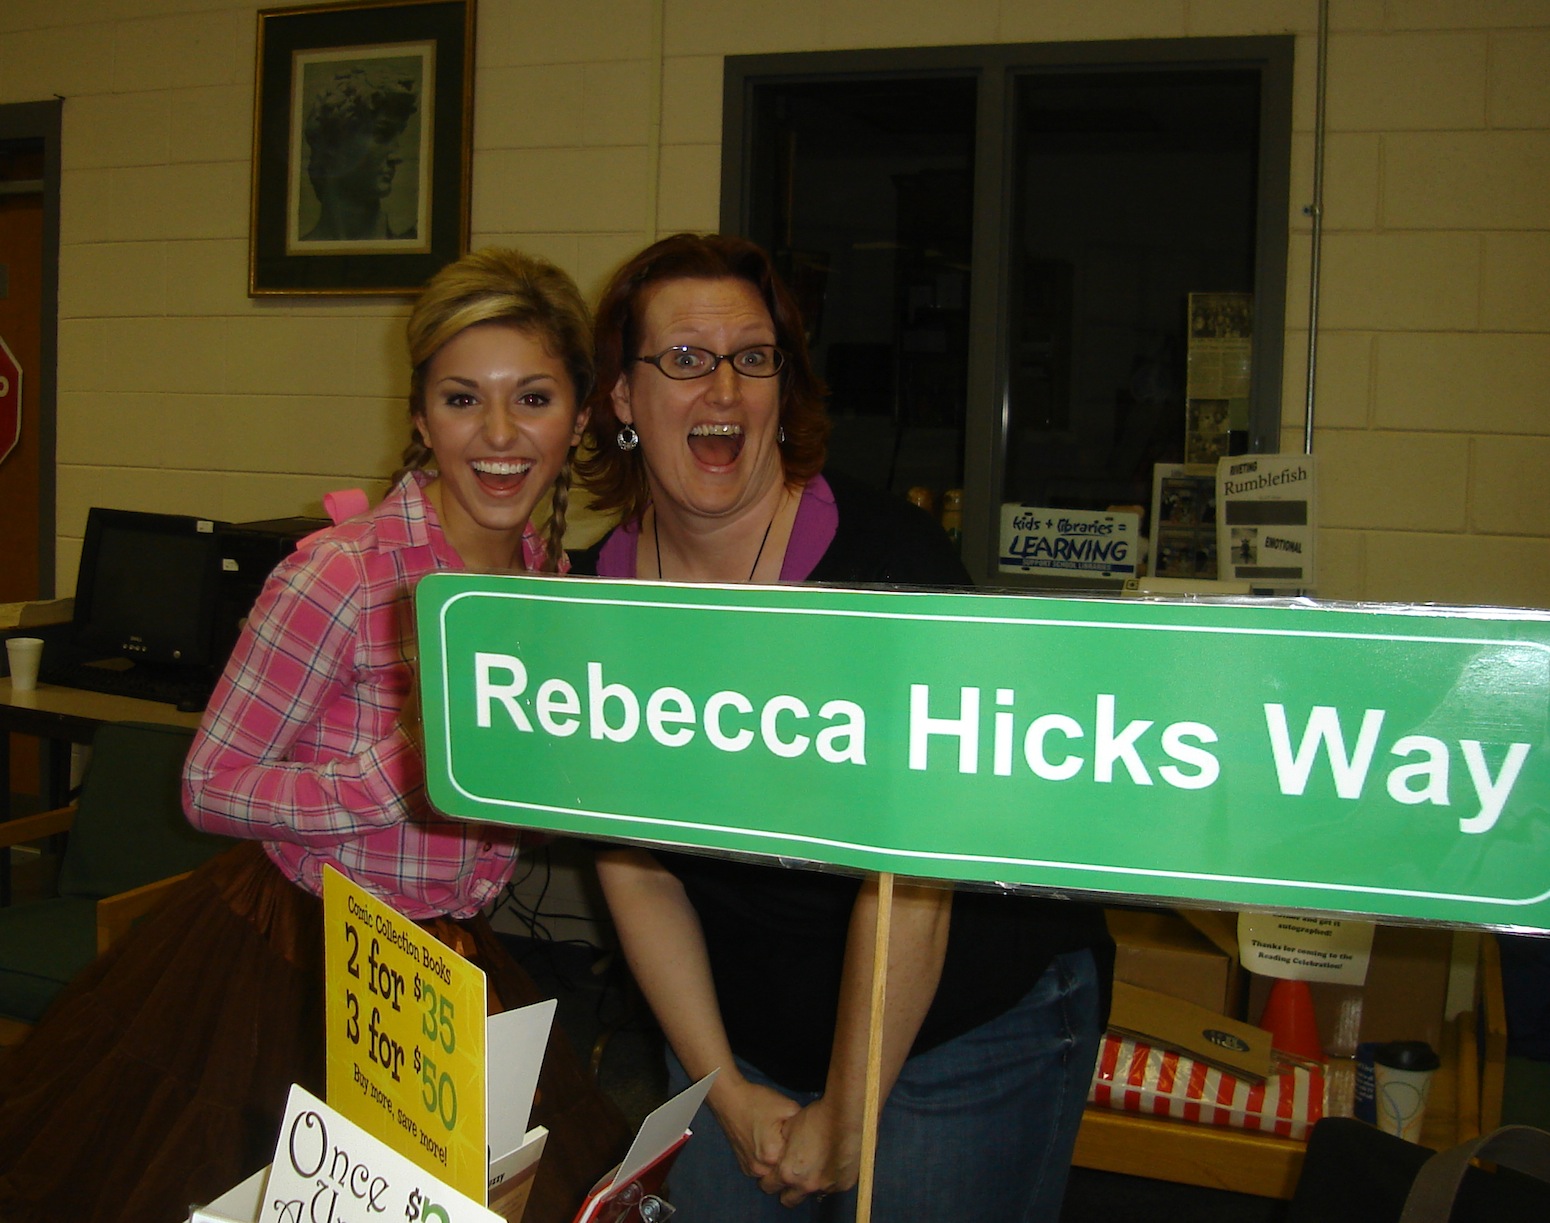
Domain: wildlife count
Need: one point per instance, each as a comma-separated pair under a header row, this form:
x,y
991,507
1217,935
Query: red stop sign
x,y
10,401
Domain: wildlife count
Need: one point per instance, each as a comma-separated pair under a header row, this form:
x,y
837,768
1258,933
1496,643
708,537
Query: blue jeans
x,y
980,1128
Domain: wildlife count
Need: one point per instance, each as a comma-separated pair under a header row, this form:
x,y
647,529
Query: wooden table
x,y
61,717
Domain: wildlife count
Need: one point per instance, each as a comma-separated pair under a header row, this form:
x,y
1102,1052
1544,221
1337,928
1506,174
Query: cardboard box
x,y
1403,999
1165,1057
1163,1021
1160,950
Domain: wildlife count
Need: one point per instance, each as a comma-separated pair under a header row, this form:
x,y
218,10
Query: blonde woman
x,y
309,752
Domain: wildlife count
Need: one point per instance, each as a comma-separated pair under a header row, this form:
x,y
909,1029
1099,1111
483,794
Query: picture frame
x,y
362,135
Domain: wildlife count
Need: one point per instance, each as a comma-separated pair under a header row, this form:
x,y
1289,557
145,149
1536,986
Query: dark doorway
x,y
29,311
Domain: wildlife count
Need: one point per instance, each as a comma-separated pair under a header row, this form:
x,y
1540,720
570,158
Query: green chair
x,y
127,842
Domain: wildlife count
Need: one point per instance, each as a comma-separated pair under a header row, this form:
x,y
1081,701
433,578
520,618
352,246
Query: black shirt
x,y
776,936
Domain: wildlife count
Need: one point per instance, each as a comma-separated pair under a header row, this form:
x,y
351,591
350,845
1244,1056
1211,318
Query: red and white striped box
x,y
1135,1077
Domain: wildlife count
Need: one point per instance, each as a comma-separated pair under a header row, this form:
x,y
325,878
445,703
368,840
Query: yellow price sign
x,y
406,1036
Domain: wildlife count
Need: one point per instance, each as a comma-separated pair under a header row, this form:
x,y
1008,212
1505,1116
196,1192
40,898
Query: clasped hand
x,y
793,1152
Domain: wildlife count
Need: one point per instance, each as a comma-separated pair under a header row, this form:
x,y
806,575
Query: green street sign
x,y
1388,761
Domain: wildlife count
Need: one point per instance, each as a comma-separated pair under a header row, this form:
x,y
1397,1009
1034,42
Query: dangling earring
x,y
781,437
627,438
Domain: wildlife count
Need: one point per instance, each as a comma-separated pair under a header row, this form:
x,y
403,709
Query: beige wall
x,y
598,126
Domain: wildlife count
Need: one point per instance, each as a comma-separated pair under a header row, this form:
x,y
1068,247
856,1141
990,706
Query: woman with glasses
x,y
708,429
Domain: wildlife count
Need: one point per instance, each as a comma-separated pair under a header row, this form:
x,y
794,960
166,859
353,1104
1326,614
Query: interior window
x,y
1130,192
863,191
996,247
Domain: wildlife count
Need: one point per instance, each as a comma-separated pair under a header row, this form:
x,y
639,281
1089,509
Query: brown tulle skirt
x,y
158,1079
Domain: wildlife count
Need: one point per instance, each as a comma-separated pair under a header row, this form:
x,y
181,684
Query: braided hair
x,y
501,285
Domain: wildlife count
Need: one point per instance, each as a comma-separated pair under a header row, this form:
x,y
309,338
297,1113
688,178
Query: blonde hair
x,y
500,285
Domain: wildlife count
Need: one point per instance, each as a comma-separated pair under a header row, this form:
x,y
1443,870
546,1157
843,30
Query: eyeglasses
x,y
684,361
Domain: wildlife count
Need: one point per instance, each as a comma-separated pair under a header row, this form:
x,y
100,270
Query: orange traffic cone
x,y
1289,1018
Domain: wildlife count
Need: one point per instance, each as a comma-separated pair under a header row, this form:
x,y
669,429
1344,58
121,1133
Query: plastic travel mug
x,y
24,654
1402,1076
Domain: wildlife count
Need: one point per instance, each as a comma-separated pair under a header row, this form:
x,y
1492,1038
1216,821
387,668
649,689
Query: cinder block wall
x,y
598,127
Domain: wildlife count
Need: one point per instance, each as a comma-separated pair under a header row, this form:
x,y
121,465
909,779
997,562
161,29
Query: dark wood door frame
x,y
30,122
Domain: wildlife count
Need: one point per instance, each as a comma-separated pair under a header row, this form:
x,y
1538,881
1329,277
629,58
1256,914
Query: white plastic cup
x,y
24,654
1402,1078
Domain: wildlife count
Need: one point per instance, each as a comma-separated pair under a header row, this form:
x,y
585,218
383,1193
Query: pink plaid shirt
x,y
303,745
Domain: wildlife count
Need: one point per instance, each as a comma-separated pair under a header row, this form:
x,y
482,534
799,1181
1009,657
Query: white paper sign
x,y
664,1131
516,1042
1293,947
239,1204
663,1127
1267,520
326,1167
1074,543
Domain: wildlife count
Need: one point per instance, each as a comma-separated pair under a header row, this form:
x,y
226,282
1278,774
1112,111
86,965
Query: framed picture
x,y
362,122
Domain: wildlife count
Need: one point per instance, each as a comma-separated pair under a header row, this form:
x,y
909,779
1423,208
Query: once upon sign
x,y
1390,761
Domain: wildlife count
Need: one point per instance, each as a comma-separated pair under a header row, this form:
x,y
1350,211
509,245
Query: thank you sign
x,y
1388,761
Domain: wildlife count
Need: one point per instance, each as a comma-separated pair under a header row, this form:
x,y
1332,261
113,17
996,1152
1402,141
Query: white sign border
x,y
1120,872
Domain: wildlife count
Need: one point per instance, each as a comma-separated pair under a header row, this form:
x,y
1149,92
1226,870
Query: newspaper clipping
x,y
1266,519
1216,392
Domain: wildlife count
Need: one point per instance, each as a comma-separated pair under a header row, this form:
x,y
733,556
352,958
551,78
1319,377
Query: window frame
x,y
995,68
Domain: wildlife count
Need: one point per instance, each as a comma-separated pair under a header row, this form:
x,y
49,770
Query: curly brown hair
x,y
506,286
616,478
351,102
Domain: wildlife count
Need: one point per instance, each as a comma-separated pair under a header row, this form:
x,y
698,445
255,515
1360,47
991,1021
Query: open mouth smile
x,y
716,444
501,475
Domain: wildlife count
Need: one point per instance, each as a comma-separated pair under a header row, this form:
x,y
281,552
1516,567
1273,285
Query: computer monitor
x,y
148,587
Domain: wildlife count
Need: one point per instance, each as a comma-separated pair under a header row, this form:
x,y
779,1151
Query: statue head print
x,y
353,129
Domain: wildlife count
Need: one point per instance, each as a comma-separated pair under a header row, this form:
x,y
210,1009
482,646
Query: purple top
x,y
811,534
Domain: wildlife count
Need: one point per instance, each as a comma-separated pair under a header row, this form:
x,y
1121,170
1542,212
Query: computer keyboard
x,y
188,690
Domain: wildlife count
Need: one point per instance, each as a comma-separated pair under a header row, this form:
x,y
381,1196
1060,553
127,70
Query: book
x,y
631,1192
636,1200
1183,521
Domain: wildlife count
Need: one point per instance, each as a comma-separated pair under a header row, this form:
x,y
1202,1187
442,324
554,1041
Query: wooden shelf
x,y
1215,1157
1465,1098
